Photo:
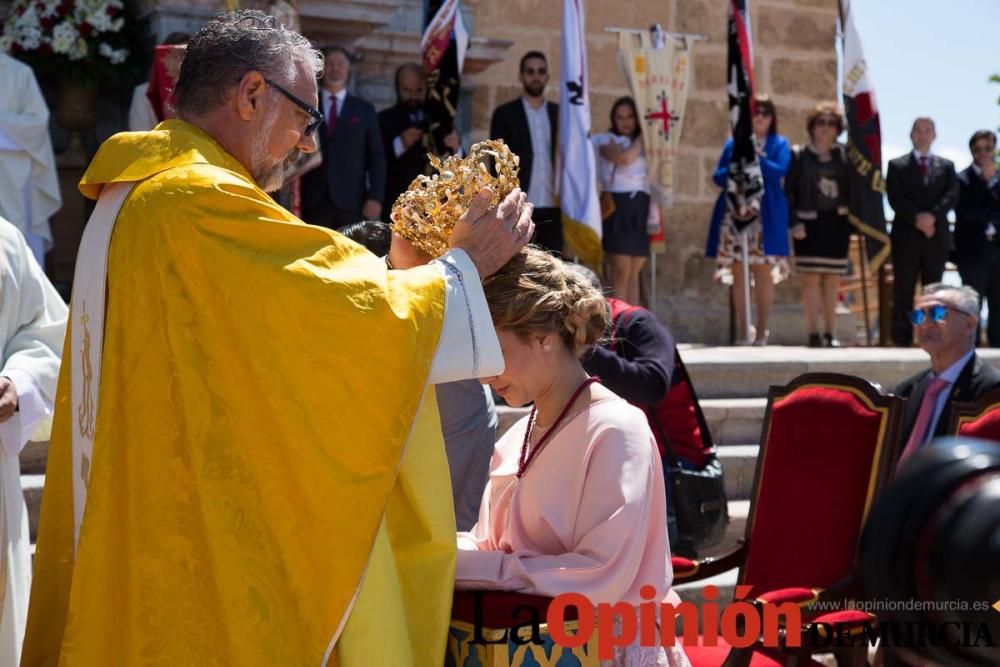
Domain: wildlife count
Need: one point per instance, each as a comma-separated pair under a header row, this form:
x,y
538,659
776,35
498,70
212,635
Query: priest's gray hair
x,y
967,299
229,46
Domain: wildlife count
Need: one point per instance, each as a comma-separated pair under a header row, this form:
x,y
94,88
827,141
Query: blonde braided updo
x,y
538,294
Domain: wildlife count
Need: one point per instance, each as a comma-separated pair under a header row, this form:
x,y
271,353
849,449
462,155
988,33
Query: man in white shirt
x,y
350,184
530,126
32,328
29,185
945,322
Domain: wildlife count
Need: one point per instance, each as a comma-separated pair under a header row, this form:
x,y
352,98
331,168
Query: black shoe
x,y
814,341
830,341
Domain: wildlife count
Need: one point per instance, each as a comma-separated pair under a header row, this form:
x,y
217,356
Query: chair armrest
x,y
708,567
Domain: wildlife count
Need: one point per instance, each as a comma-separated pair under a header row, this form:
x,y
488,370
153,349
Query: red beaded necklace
x,y
526,458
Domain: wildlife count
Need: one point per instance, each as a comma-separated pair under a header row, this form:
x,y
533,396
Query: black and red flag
x,y
864,144
443,47
745,184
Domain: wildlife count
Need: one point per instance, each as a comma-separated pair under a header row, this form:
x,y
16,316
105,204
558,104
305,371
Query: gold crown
x,y
426,213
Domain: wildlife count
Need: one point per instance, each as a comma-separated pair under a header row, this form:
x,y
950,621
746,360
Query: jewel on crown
x,y
426,213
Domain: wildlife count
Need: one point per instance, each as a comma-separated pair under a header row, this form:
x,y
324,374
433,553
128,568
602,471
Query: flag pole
x,y
864,288
690,36
745,240
652,280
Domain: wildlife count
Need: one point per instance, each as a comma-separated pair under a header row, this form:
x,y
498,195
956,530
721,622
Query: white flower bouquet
x,y
84,36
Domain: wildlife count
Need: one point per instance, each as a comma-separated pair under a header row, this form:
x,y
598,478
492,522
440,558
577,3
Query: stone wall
x,y
795,62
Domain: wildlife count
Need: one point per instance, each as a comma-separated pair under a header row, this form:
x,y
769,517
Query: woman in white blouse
x,y
621,169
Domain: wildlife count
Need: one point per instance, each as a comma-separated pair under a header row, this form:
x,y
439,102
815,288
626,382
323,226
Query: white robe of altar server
x,y
32,328
29,185
141,117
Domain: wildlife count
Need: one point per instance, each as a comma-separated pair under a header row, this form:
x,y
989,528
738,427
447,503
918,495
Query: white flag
x,y
581,213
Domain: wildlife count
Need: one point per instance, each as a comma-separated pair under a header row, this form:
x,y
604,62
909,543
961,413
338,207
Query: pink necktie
x,y
927,405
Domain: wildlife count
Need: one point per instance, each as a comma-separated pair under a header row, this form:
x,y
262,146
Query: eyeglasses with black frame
x,y
316,116
936,313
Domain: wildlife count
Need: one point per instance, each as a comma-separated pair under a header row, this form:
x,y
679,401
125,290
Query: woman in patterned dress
x,y
768,240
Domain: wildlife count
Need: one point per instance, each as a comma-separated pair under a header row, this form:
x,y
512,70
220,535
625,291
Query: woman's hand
x,y
611,151
799,232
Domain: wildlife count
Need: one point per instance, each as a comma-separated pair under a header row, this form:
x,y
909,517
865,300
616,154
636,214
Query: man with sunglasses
x,y
922,188
530,126
230,481
945,322
977,227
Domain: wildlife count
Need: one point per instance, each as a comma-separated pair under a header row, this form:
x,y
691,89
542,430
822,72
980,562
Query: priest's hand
x,y
8,399
492,236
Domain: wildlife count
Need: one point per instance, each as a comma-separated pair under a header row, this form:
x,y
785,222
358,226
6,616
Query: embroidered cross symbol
x,y
664,114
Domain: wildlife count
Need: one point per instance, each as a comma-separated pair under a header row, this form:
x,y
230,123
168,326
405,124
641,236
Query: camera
x,y
930,557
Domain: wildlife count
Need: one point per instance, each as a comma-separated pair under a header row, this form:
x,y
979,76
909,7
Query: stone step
x,y
734,420
33,457
739,464
748,372
31,486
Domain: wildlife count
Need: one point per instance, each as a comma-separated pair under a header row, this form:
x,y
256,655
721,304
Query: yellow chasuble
x,y
258,450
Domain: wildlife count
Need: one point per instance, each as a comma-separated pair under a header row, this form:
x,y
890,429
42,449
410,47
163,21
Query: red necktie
x,y
919,433
923,167
331,121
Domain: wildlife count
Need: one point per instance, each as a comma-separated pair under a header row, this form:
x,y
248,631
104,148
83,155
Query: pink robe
x,y
588,517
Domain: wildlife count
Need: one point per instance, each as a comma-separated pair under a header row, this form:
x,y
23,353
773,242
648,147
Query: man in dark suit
x,y
922,189
977,227
946,322
350,184
411,129
530,126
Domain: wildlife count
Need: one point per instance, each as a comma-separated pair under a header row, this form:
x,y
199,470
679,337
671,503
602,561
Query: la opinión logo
x,y
740,623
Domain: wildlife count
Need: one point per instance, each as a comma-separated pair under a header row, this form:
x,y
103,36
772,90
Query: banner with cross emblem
x,y
659,79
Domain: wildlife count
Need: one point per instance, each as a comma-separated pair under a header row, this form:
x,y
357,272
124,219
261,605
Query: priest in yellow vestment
x,y
240,472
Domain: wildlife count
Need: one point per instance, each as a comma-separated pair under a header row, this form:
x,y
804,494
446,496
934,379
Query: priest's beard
x,y
268,173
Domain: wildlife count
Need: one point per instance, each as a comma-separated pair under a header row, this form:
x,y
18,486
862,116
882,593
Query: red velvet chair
x,y
828,446
978,419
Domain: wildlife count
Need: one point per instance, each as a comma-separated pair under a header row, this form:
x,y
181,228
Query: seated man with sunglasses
x,y
945,323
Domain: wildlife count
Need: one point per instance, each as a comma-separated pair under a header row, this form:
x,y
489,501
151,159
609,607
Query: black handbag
x,y
699,496
700,504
